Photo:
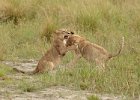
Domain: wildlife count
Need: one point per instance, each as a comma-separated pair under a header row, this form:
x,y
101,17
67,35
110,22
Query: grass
x,y
93,97
101,22
26,86
4,70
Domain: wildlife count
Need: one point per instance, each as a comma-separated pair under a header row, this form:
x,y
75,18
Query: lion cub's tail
x,y
122,45
20,71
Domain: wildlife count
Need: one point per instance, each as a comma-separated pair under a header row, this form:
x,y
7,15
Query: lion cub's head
x,y
63,34
74,40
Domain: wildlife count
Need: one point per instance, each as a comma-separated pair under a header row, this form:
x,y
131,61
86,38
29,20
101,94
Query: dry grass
x,y
102,22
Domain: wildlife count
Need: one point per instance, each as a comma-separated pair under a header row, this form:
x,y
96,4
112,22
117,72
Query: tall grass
x,y
101,21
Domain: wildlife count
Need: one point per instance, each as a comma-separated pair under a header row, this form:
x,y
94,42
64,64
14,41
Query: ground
x,y
26,27
49,93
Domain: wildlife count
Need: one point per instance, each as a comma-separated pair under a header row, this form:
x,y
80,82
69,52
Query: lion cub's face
x,y
63,33
74,40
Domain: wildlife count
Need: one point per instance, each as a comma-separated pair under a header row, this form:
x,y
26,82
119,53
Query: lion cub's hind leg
x,y
100,63
49,66
44,66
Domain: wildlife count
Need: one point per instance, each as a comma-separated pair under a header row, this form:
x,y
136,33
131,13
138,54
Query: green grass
x,y
26,86
4,70
93,97
101,22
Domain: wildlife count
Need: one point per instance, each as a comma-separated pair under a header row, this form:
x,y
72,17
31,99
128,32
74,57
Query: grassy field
x,y
26,26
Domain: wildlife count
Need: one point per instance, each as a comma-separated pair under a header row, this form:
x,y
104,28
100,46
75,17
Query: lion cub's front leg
x,y
71,48
77,55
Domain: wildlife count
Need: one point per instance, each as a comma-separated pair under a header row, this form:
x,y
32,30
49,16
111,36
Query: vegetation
x,y
93,97
4,70
25,32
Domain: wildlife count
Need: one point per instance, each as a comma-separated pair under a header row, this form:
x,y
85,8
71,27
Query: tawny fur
x,y
90,51
53,56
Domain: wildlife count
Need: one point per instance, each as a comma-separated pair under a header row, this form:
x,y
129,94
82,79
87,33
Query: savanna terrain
x,y
25,35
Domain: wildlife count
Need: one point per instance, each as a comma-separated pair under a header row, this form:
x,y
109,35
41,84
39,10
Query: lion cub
x,y
54,55
90,51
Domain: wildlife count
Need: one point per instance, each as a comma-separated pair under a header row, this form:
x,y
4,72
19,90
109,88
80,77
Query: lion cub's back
x,y
93,51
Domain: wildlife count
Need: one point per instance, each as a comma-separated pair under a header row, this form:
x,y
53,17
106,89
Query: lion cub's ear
x,y
56,31
72,32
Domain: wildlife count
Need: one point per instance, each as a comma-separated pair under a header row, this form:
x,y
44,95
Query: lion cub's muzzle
x,y
68,35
